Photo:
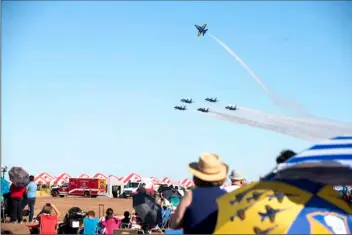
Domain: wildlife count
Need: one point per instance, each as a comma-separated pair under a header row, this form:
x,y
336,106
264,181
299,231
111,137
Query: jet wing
x,y
204,26
198,33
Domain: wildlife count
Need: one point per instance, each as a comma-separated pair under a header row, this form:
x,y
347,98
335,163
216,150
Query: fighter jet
x,y
232,108
187,101
201,30
182,108
203,110
212,100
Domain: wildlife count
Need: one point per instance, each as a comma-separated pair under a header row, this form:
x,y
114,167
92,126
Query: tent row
x,y
45,178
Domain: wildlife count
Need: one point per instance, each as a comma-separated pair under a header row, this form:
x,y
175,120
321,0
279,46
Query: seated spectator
x,y
280,160
164,203
197,211
125,222
284,156
110,222
90,223
237,180
49,209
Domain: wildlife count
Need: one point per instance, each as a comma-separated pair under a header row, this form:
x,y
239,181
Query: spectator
x,y
110,222
284,156
197,211
280,160
142,189
237,180
49,209
90,223
16,195
126,220
31,196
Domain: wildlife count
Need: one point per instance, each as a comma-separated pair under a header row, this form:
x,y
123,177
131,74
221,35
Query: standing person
x,y
237,181
16,195
198,210
31,190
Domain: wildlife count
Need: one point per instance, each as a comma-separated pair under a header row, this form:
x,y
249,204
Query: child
x,y
90,223
126,220
111,222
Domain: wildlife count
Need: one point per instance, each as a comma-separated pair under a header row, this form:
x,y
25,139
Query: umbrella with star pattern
x,y
284,207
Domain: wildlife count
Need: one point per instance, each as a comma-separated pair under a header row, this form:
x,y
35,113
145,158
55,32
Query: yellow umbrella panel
x,y
272,207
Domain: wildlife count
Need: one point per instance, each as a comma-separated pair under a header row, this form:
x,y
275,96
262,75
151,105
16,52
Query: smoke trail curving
x,y
243,64
278,101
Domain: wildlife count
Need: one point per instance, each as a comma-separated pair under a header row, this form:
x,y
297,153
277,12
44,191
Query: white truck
x,y
131,188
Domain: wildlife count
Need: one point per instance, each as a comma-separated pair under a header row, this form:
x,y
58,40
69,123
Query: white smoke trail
x,y
278,101
277,121
243,64
273,128
330,128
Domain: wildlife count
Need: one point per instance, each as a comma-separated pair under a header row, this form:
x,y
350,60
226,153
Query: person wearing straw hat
x,y
197,211
237,181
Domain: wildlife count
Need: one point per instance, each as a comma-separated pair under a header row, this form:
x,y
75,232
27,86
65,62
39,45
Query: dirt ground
x,y
86,204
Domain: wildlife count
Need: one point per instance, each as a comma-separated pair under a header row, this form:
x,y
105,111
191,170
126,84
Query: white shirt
x,y
231,188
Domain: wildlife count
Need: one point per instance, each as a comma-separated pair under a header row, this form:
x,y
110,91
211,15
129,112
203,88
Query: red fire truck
x,y
83,187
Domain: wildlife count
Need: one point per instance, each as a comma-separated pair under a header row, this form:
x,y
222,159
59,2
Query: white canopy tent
x,y
113,181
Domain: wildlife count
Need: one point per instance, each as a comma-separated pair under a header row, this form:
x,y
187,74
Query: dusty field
x,y
64,204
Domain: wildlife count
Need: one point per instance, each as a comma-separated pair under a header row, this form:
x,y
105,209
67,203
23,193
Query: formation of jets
x,y
203,110
201,30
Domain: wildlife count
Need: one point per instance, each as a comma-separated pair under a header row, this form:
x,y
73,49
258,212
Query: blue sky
x,y
90,87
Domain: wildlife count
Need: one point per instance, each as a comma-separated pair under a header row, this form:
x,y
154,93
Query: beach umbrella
x,y
284,207
147,208
167,194
18,176
328,162
5,186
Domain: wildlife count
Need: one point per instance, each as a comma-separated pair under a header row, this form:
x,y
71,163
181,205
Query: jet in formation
x,y
201,30
232,108
187,101
182,108
203,110
211,100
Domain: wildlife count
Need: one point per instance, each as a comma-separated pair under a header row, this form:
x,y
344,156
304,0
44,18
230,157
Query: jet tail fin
x,y
205,31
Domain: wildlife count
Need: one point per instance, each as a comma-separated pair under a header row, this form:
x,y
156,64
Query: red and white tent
x,y
132,176
114,176
99,176
62,179
84,176
43,178
186,182
166,180
155,180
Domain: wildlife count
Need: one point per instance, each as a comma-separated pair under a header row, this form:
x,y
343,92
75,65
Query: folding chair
x,y
175,201
48,224
125,231
165,218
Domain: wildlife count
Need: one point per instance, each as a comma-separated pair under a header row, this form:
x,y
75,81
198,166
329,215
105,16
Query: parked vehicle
x,y
82,187
132,188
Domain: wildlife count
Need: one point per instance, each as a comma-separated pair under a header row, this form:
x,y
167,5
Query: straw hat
x,y
209,168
